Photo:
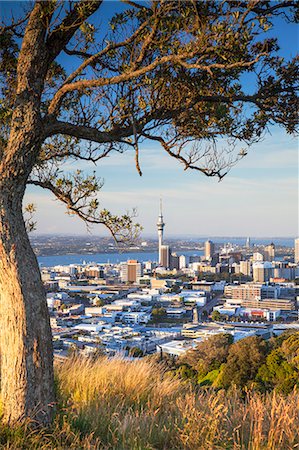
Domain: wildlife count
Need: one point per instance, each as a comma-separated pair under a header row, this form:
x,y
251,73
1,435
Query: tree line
x,y
250,363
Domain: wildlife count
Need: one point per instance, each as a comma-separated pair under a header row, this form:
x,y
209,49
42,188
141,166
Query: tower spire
x,y
160,226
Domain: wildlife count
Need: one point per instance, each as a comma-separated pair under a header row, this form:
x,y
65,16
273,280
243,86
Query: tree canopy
x,y
172,72
209,354
249,363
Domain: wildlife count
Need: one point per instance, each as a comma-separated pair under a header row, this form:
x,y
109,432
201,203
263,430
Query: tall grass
x,y
120,404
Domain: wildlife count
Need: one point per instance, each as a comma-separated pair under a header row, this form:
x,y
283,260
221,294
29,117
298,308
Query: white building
x,y
89,327
182,262
136,317
296,251
257,257
262,271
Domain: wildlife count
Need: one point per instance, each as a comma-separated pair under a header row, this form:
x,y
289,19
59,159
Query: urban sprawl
x,y
136,308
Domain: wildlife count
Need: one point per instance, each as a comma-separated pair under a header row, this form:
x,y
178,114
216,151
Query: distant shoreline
x,y
104,258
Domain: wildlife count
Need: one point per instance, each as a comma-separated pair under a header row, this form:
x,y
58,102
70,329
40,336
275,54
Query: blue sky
x,y
259,196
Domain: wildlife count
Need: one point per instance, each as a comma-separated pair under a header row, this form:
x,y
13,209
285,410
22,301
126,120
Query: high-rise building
x,y
131,271
165,254
262,271
209,249
183,261
257,257
160,226
245,268
296,251
174,261
248,242
269,252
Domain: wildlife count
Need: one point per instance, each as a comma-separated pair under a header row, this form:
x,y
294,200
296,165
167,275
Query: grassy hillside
x,y
117,404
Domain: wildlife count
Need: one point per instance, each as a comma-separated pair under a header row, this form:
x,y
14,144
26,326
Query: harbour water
x,y
116,257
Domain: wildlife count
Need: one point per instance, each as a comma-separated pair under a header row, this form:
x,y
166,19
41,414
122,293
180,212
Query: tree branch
x,y
127,76
91,59
78,199
63,33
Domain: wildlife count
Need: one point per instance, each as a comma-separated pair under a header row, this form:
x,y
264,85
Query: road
x,y
210,305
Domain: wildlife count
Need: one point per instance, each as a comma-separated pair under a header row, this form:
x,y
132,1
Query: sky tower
x,y
160,225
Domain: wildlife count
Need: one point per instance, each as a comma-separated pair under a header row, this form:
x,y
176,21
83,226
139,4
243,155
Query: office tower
x,y
248,242
160,226
215,259
269,252
174,261
165,256
149,266
131,271
245,268
182,262
296,251
257,256
209,249
262,271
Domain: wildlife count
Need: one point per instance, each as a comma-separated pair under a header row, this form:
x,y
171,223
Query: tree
x,y
281,368
216,316
244,359
209,354
135,352
278,373
170,72
99,302
158,313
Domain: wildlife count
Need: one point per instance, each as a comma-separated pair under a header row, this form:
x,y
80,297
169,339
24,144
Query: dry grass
x,y
118,404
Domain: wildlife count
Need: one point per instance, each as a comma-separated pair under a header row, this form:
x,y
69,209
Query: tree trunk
x,y
27,383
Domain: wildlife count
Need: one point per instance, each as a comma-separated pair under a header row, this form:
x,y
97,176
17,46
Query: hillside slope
x,y
120,404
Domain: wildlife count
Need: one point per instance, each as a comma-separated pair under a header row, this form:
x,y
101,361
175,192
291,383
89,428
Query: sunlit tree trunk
x,y
27,383
27,388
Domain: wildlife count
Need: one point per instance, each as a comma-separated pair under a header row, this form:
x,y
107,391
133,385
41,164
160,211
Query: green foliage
x,y
99,302
243,362
277,341
277,373
209,354
281,368
158,312
136,352
185,372
290,348
210,379
253,363
216,316
29,211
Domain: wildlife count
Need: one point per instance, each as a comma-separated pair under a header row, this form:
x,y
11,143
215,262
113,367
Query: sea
x,y
117,257
98,258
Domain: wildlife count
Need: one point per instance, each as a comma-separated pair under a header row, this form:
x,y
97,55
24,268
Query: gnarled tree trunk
x,y
27,387
27,382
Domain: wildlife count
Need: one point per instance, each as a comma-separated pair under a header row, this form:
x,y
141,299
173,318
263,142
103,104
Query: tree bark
x,y
27,382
